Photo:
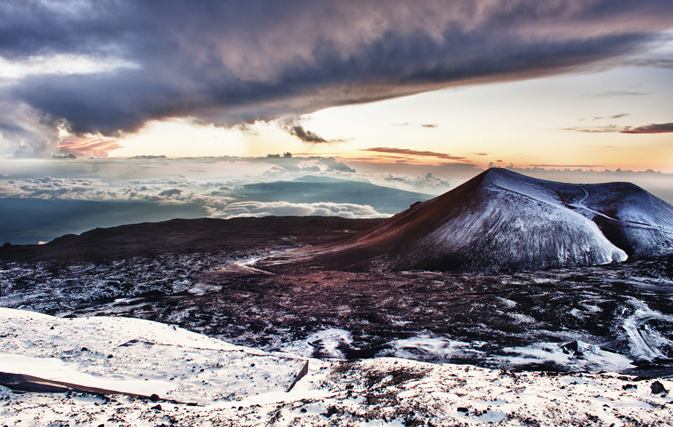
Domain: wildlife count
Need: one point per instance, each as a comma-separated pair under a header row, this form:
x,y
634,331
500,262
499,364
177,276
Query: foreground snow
x,y
234,385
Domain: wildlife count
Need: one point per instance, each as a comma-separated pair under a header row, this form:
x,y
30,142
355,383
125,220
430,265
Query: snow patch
x,y
588,357
328,343
522,318
507,302
57,370
140,356
645,342
201,289
428,348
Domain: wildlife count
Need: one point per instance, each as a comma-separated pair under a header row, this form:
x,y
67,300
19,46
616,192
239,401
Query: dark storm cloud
x,y
653,62
616,116
236,62
647,129
171,192
407,152
306,135
611,93
296,128
598,129
652,128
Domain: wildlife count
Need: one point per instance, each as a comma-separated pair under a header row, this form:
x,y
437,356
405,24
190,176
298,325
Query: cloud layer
x,y
239,61
259,209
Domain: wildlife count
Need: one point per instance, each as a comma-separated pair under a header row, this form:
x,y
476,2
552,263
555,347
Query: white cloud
x,y
212,204
427,183
259,209
218,199
6,191
25,132
62,64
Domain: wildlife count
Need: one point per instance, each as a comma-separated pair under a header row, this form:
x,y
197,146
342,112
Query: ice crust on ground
x,y
240,386
429,348
588,358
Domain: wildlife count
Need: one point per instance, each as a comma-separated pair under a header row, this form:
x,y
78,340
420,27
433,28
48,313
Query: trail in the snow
x,y
645,342
579,204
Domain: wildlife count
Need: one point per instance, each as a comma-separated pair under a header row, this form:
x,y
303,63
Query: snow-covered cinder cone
x,y
504,221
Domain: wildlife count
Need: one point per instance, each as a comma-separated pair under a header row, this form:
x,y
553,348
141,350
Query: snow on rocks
x,y
239,386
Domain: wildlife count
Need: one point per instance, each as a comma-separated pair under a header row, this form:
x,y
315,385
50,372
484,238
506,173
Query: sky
x,y
380,91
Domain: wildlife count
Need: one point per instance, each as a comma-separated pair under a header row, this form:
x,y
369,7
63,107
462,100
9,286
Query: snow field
x,y
240,386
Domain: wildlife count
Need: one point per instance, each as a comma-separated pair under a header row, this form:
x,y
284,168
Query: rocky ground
x,y
621,314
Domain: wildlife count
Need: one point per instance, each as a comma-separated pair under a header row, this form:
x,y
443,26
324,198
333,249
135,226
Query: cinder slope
x,y
501,220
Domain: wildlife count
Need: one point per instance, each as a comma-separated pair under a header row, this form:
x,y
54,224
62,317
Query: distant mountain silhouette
x,y
501,220
316,189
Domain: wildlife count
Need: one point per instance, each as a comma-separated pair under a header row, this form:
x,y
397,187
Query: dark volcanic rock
x,y
658,388
430,316
571,348
503,221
